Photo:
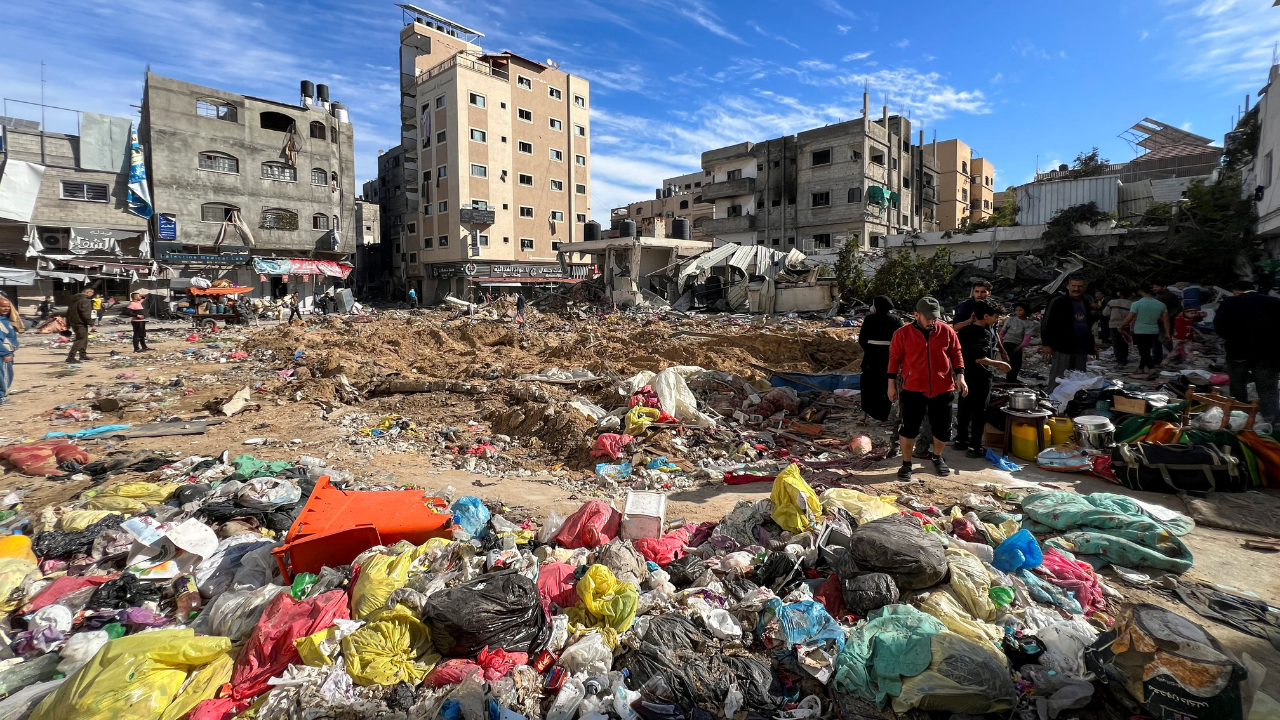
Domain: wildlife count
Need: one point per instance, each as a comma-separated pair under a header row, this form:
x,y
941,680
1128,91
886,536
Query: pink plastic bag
x,y
270,647
1073,576
662,550
610,445
593,525
556,584
497,663
451,672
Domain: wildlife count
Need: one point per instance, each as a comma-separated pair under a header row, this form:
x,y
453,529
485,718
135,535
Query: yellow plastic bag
x,y
795,504
12,572
395,646
132,498
606,602
137,676
639,418
204,685
16,546
971,583
944,606
77,520
864,508
380,576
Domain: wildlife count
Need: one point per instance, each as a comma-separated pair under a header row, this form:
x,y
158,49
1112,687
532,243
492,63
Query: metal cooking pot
x,y
1094,432
1023,400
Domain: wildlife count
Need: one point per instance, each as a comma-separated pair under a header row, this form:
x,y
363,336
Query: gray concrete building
x,y
679,196
370,260
225,165
64,211
859,180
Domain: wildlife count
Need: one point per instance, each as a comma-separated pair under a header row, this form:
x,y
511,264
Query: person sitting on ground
x,y
1065,331
927,354
977,344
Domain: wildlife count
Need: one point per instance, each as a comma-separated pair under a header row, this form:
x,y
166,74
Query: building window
x,y
440,136
580,188
524,147
875,241
216,110
320,221
557,216
216,212
525,115
442,206
333,134
556,155
822,199
986,204
413,258
1266,170
555,124
439,102
557,186
526,211
428,242
411,228
877,159
443,241
684,204
319,176
479,171
317,130
893,163
478,135
525,179
964,194
279,219
775,242
855,195
442,171
579,101
964,167
219,162
579,130
279,171
477,100
526,243
822,157
524,82
580,160
426,208
733,175
333,178
554,93
582,217
484,241
279,122
822,240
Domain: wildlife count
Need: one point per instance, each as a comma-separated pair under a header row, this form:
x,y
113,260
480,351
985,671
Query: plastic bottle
x,y
186,596
571,695
622,700
19,676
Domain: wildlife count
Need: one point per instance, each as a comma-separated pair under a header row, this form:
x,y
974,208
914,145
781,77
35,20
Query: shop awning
x,y
14,276
300,266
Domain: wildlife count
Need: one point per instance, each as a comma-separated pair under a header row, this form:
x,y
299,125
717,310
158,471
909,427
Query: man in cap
x,y
927,355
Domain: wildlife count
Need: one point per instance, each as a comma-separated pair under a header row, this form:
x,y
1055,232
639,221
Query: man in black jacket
x,y
1245,322
79,317
1066,333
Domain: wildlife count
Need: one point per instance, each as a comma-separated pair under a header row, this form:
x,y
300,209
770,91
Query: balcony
x,y
729,225
929,194
729,188
467,61
733,152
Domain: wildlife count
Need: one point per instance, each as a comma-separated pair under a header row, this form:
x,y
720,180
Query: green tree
x,y
1088,164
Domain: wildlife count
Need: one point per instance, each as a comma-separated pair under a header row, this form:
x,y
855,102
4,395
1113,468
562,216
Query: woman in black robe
x,y
877,330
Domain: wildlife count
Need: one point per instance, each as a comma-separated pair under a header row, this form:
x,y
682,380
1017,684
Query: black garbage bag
x,y
498,610
124,592
226,511
761,690
696,680
780,573
844,564
674,632
400,698
191,492
899,546
142,461
738,586
866,592
686,570
58,545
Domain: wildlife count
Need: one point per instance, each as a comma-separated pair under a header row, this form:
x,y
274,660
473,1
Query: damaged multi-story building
x,y
858,180
679,196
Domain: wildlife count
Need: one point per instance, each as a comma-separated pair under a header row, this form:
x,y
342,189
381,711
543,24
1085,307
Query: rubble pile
x,y
223,586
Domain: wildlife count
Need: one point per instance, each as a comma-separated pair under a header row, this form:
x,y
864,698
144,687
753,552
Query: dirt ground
x,y
294,428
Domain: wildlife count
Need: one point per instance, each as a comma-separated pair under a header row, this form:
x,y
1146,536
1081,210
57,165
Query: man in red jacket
x,y
926,354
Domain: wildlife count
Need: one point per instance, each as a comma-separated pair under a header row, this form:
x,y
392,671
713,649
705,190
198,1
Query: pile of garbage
x,y
222,586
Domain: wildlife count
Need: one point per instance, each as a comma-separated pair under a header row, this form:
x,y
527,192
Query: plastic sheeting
x,y
104,142
19,187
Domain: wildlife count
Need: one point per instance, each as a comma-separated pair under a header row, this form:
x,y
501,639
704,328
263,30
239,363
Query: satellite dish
x,y
553,63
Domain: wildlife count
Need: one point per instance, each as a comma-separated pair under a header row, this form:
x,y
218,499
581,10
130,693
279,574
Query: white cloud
x,y
816,65
1230,40
838,9
999,78
856,56
902,43
770,35
842,29
1144,36
1028,49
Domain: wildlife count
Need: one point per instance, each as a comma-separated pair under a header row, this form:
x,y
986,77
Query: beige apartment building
x,y
496,163
679,196
966,190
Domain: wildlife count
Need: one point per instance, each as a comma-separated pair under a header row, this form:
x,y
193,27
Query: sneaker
x,y
71,361
974,453
904,472
940,465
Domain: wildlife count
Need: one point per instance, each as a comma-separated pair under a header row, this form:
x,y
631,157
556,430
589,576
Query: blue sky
x,y
672,78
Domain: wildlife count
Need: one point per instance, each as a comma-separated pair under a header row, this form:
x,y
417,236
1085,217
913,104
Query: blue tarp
x,y
87,432
828,381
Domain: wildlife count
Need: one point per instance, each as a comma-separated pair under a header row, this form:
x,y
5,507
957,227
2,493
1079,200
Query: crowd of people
x,y
929,369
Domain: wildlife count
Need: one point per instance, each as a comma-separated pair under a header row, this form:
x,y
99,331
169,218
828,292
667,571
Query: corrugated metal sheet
x,y
1171,189
1039,202
1133,199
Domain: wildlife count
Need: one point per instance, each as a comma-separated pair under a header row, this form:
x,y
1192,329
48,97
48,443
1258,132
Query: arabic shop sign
x,y
98,241
179,253
490,270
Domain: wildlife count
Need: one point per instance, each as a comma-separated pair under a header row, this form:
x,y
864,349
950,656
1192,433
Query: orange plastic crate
x,y
337,525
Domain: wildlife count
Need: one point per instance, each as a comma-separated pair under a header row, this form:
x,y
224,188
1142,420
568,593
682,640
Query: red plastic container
x,y
337,525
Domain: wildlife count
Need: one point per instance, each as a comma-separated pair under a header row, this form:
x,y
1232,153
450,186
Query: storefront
x,y
307,277
472,280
